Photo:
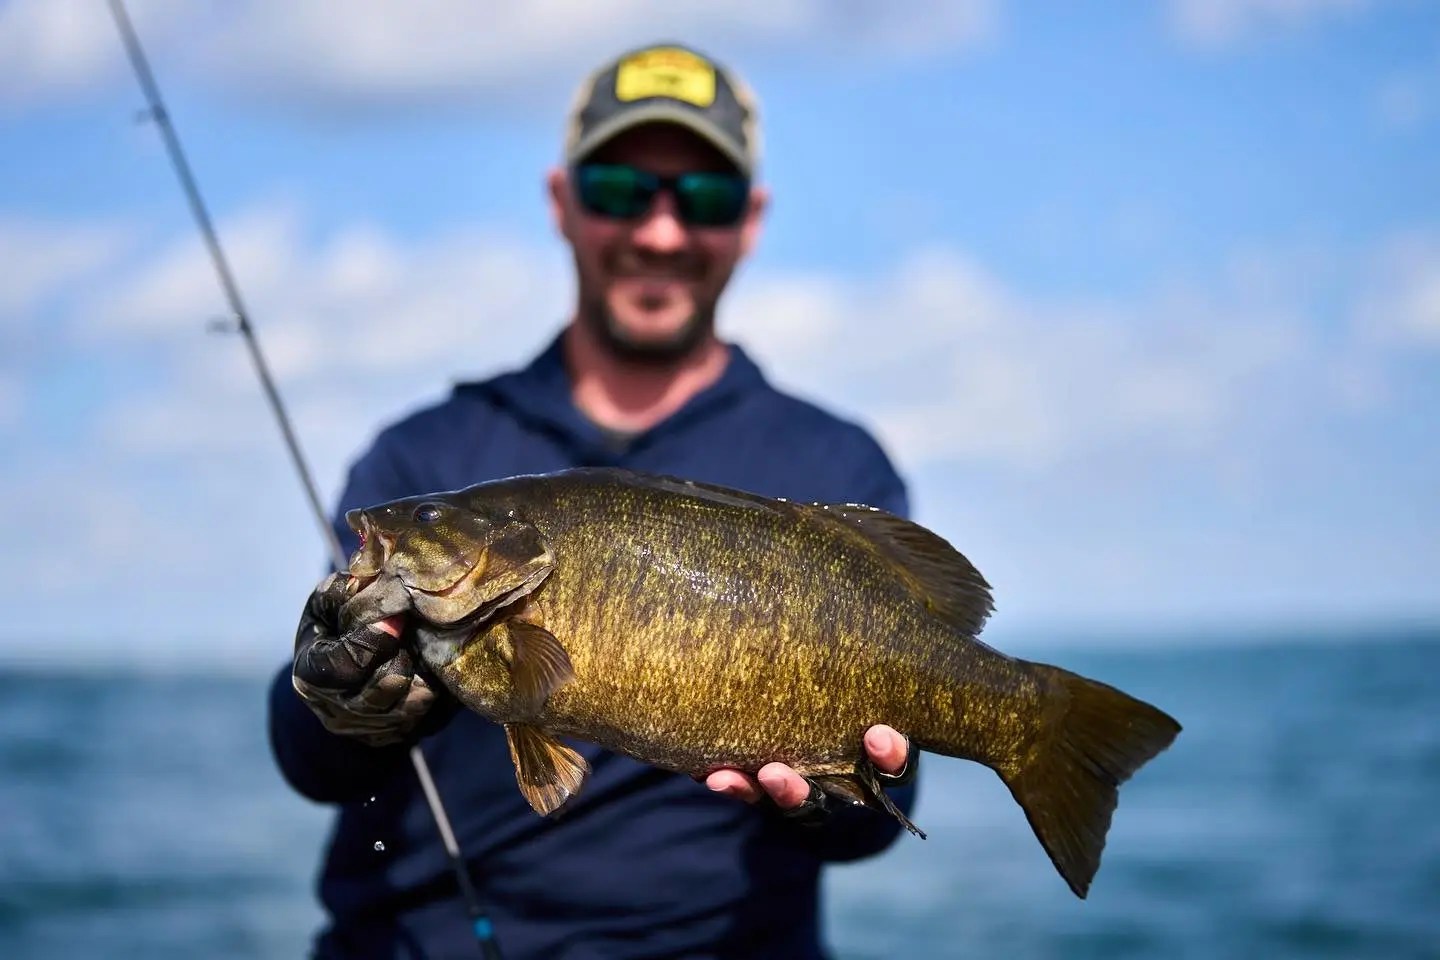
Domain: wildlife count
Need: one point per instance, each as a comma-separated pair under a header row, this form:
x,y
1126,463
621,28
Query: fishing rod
x,y
240,322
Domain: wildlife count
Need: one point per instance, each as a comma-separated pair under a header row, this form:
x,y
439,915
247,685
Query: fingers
x,y
387,687
786,787
342,663
340,718
735,784
345,662
386,710
887,749
776,780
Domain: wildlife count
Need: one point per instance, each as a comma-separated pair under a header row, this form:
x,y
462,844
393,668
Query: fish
x,y
694,626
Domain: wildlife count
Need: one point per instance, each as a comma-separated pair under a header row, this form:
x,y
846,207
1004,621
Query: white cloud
x,y
372,52
176,486
179,288
179,496
1402,302
943,357
54,46
45,266
951,364
354,328
1218,23
40,257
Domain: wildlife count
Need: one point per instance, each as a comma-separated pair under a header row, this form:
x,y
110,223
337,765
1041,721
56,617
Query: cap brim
x,y
662,112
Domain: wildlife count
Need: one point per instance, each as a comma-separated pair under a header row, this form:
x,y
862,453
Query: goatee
x,y
612,335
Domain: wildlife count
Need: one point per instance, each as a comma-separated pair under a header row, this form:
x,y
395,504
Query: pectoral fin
x,y
546,770
538,664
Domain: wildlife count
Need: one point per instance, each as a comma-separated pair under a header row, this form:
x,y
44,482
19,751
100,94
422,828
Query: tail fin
x,y
1068,786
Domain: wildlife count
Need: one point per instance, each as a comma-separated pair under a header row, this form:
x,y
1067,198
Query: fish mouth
x,y
370,557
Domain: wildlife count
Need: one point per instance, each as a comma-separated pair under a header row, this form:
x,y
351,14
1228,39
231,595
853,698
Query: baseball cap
x,y
665,83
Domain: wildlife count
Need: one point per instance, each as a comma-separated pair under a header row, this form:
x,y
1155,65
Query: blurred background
x,y
1143,298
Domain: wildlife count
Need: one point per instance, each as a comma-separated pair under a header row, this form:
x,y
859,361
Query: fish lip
x,y
356,584
369,558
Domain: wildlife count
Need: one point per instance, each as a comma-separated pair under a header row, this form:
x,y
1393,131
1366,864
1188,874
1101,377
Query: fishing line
x,y
240,321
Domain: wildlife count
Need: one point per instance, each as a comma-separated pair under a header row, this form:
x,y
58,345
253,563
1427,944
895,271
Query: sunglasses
x,y
623,192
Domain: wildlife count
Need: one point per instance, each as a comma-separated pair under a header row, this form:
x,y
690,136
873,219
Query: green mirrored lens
x,y
615,191
712,199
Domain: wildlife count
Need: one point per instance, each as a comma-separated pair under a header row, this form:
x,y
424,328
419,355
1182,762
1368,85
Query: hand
x,y
362,684
887,749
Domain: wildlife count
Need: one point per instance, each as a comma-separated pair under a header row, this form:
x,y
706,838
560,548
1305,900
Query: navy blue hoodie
x,y
643,863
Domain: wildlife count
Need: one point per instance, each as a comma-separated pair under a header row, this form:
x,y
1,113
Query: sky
x,y
1142,298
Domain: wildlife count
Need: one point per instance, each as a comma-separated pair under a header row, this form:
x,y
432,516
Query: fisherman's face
x,y
649,284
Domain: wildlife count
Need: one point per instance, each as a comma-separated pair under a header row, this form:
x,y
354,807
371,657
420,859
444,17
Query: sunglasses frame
x,y
654,184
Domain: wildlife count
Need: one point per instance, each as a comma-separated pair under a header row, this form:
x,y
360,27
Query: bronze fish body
x,y
694,627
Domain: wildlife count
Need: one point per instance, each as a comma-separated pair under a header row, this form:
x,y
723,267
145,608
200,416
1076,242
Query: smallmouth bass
x,y
694,627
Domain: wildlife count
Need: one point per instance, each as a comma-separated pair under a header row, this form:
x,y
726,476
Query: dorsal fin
x,y
954,590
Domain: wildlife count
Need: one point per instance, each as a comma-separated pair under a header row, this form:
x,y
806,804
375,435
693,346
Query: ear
x,y
557,185
754,219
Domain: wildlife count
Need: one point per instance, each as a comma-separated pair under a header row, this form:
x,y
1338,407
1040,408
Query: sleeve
x,y
320,765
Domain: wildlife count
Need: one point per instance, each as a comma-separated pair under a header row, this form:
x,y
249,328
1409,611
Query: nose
x,y
661,230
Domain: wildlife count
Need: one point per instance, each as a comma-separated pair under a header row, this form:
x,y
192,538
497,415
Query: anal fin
x,y
863,788
878,796
844,786
546,770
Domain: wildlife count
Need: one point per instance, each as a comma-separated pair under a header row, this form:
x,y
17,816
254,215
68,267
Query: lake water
x,y
1297,816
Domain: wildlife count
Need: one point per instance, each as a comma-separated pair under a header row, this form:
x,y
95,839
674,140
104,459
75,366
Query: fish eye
x,y
427,513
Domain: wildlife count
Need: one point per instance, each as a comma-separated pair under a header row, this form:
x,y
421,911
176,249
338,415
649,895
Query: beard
x,y
611,334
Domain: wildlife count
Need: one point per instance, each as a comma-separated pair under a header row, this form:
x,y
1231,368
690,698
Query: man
x,y
658,203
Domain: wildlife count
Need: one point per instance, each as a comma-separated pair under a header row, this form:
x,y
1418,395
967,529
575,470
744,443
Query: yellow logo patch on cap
x,y
666,72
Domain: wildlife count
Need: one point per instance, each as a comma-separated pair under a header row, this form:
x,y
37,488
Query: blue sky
x,y
1143,298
